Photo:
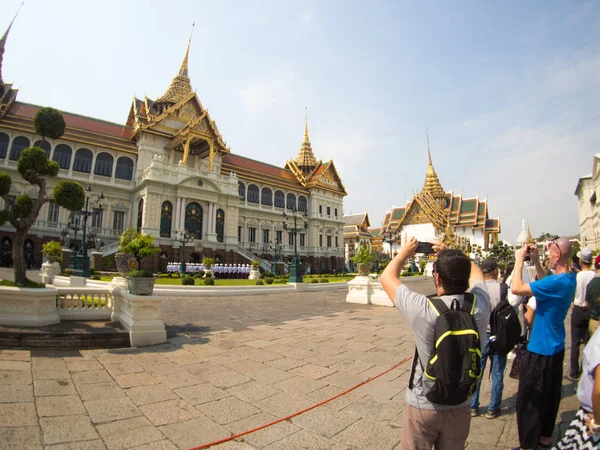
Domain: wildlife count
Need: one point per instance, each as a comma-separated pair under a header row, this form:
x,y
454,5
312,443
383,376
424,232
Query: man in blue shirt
x,y
540,381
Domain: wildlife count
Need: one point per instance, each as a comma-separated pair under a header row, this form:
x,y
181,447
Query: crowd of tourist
x,y
457,332
219,270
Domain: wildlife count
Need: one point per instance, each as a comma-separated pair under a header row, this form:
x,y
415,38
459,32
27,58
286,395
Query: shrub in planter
x,y
323,280
259,282
133,247
188,281
140,282
269,280
96,277
209,282
52,251
255,264
92,271
176,275
314,280
208,262
208,275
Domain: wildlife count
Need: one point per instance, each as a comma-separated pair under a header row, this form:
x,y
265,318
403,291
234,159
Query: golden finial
x,y
306,125
3,42
306,158
183,70
428,149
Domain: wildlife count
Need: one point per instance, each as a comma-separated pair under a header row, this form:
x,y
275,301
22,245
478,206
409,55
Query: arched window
x,y
253,193
44,145
242,189
3,145
140,218
266,197
83,160
302,204
279,199
220,225
104,164
18,145
124,170
193,220
291,201
166,218
62,155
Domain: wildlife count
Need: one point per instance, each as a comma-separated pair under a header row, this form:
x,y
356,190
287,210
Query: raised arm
x,y
389,279
518,287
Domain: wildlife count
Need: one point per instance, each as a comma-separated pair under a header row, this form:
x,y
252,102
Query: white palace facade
x,y
167,171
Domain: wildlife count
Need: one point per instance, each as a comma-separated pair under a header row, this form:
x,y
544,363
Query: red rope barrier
x,y
235,436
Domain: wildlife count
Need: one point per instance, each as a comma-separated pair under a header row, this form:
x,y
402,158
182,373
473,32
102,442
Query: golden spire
x,y
432,182
306,159
180,86
3,44
529,239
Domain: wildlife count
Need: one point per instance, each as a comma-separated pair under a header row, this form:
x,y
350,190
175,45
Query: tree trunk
x,y
17,255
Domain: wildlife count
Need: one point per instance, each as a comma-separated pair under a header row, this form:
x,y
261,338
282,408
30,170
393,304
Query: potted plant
x,y
52,251
124,257
363,260
254,273
208,262
140,282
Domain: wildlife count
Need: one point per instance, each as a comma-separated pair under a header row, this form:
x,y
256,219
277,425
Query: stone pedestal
x,y
366,291
97,261
141,316
254,274
28,307
49,271
77,281
66,258
119,282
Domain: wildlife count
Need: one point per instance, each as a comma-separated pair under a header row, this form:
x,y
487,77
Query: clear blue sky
x,y
510,91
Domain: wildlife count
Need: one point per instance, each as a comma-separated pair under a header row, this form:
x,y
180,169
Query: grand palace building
x,y
167,171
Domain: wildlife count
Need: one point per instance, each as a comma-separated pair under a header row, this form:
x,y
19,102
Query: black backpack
x,y
505,327
455,365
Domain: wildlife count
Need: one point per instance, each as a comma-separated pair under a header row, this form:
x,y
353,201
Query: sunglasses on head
x,y
553,241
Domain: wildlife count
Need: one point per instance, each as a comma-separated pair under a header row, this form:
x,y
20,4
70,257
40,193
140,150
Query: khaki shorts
x,y
447,429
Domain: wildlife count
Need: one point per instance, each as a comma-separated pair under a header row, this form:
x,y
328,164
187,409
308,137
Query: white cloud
x,y
307,16
270,93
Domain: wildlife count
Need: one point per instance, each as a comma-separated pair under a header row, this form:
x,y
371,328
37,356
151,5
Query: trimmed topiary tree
x,y
35,168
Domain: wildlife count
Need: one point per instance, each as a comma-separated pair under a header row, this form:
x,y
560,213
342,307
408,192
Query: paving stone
x,y
54,387
149,359
129,433
83,445
234,445
135,379
300,385
301,354
17,414
159,445
343,380
253,391
486,432
383,389
20,437
331,391
193,433
353,367
91,377
111,358
66,405
161,370
50,374
15,365
83,366
144,395
266,436
312,371
65,429
15,355
181,379
12,377
283,404
171,411
201,393
246,366
228,410
285,363
259,343
325,421
111,409
47,362
375,408
224,358
255,353
369,434
186,360
123,368
226,379
20,393
206,367
99,391
271,375
302,439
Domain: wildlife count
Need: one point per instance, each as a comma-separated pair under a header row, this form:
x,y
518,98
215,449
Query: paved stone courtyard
x,y
232,364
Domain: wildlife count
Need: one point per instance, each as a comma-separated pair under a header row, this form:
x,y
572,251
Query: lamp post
x,y
81,263
389,237
295,275
184,237
277,251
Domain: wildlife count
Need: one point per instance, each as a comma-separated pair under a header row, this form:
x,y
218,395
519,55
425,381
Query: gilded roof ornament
x,y
432,183
306,159
180,86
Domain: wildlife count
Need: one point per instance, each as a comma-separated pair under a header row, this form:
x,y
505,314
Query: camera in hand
x,y
424,247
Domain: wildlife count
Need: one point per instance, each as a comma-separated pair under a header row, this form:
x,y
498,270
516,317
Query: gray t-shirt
x,y
421,317
591,360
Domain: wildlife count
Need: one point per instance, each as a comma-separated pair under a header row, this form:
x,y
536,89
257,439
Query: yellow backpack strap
x,y
469,302
438,305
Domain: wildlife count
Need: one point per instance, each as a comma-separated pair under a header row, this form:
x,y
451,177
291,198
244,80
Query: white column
x,y
182,215
213,218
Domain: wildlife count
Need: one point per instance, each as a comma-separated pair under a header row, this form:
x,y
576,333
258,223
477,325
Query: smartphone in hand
x,y
424,247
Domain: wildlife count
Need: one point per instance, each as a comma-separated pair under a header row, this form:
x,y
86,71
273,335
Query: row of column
x,y
179,215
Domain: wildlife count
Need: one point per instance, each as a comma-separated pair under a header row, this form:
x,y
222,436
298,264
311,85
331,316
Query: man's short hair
x,y
454,269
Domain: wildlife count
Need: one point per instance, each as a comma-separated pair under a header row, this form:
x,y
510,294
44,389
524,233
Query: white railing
x,y
84,303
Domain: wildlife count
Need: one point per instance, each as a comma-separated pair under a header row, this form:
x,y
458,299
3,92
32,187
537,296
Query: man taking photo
x,y
445,423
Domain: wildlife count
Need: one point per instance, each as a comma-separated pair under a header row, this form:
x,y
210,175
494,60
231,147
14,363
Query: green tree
x,y
502,254
138,244
35,168
546,237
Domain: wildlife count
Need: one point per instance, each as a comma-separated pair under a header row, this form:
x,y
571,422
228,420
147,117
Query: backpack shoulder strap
x,y
438,305
412,369
469,302
503,292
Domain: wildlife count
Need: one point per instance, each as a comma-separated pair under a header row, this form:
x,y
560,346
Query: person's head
x,y
509,270
559,253
489,267
585,257
452,272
